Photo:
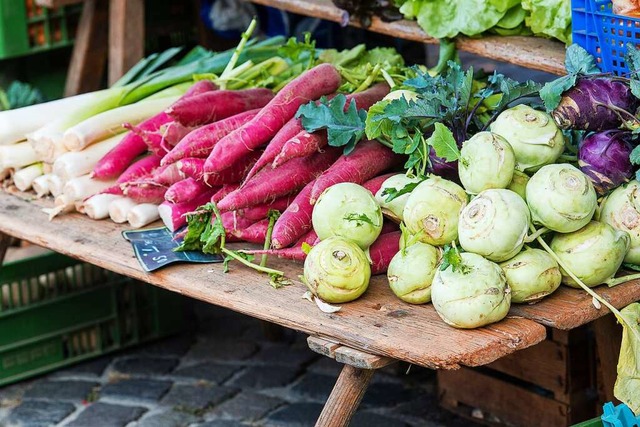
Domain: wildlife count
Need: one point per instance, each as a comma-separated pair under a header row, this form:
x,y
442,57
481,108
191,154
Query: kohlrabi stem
x,y
568,158
267,240
216,212
388,78
249,264
236,53
539,232
369,80
618,280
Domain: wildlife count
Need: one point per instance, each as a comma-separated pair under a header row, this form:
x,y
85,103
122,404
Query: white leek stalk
x,y
23,179
79,206
62,204
143,214
56,185
110,122
41,185
84,186
17,156
77,163
97,207
119,209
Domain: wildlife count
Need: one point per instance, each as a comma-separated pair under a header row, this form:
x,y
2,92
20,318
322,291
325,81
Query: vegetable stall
x,y
477,195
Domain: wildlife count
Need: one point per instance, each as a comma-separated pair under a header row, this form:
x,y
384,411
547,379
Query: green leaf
x,y
359,219
451,258
627,387
551,92
229,258
444,143
634,157
549,17
306,248
579,61
345,126
20,94
513,90
197,223
294,49
374,125
634,84
392,193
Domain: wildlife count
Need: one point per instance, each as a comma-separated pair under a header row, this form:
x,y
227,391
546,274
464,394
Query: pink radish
x,y
173,214
188,189
306,143
139,169
231,222
382,251
222,193
166,175
270,184
256,233
235,173
389,227
132,145
190,167
200,141
256,213
217,105
320,80
367,160
374,184
144,192
295,221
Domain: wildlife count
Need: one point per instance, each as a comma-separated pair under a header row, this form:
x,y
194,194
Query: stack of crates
x,y
27,28
56,311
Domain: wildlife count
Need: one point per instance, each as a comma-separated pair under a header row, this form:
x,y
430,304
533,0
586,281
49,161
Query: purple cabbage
x,y
440,167
595,105
604,158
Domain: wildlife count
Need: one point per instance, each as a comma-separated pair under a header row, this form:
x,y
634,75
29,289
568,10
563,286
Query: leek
x,y
17,156
143,214
97,206
77,163
23,179
119,209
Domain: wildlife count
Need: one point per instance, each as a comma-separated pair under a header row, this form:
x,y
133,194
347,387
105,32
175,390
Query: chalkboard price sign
x,y
154,249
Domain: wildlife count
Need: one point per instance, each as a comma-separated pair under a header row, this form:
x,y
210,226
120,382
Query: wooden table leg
x,y
126,36
608,336
5,241
90,49
345,397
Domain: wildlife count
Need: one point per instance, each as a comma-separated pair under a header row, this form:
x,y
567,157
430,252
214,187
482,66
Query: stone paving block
x,y
247,406
74,391
34,413
209,349
173,346
294,415
168,419
107,415
136,389
208,371
368,419
91,369
196,398
259,377
326,366
283,355
387,395
314,387
145,365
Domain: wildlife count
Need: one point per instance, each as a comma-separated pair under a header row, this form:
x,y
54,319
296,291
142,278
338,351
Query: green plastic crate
x,y
26,28
55,311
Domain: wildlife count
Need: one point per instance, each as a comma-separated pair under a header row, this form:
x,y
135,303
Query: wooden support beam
x,y
126,36
348,355
90,49
345,397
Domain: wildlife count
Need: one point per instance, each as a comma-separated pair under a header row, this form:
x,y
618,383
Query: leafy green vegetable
x,y
451,258
238,254
627,387
549,17
443,142
551,93
392,193
359,219
345,127
306,248
18,95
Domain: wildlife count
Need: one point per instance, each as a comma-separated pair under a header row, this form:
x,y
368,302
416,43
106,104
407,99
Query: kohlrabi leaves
x,y
551,93
345,126
627,387
578,61
443,143
391,193
359,219
451,258
634,157
632,59
228,258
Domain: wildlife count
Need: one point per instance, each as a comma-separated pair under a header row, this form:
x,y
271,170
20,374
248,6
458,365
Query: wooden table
x,y
377,325
531,52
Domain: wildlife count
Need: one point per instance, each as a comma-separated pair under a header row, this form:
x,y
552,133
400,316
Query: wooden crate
x,y
549,384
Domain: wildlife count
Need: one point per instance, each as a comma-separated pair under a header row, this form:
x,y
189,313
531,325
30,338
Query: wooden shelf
x,y
530,52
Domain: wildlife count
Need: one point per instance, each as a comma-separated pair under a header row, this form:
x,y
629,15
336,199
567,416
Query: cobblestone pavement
x,y
221,372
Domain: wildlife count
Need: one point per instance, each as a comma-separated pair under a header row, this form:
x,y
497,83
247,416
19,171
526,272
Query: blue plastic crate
x,y
603,34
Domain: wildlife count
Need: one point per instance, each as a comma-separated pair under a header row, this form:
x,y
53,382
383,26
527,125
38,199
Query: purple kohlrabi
x,y
604,158
595,104
441,167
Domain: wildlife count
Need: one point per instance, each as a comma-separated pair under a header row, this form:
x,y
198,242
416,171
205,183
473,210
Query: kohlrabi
x,y
486,161
337,270
531,275
411,272
473,295
518,183
347,210
604,158
561,198
494,224
394,208
621,210
534,137
433,209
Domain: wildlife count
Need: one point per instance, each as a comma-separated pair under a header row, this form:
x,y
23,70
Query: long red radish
x,y
166,175
231,222
306,143
270,184
255,233
295,221
294,253
374,184
173,214
389,227
235,173
256,213
132,145
288,131
188,189
200,141
367,160
190,167
145,192
139,169
213,106
382,251
224,190
321,80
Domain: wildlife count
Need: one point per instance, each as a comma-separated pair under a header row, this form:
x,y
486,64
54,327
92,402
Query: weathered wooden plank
x,y
56,3
90,49
608,335
377,323
126,36
347,355
345,397
324,347
531,52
